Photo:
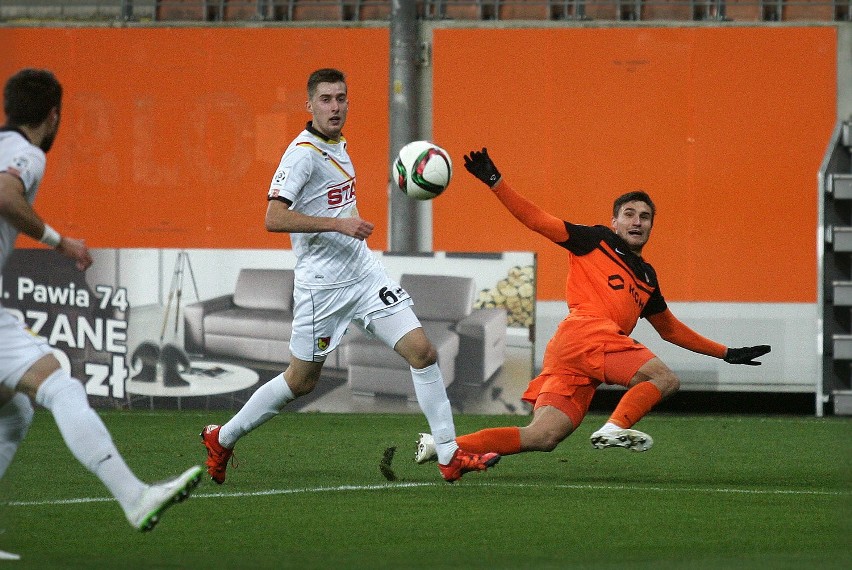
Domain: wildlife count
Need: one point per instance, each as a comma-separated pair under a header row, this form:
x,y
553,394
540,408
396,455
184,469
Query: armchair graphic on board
x,y
471,344
256,321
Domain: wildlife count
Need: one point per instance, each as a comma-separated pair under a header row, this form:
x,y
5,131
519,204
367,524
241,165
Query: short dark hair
x,y
29,96
324,75
635,196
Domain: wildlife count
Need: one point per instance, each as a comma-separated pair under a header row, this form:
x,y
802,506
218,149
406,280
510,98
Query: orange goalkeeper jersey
x,y
605,279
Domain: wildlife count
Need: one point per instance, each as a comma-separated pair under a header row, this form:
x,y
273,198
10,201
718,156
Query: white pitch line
x,y
394,486
693,490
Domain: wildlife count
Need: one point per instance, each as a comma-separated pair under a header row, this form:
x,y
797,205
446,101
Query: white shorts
x,y
19,349
321,317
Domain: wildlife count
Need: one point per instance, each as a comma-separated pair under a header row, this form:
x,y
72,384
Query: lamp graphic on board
x,y
152,359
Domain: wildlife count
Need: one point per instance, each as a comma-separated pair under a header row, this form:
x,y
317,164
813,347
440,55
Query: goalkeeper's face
x,y
329,106
633,224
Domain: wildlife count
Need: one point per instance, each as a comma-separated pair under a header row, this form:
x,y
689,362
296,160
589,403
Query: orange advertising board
x,y
170,137
725,127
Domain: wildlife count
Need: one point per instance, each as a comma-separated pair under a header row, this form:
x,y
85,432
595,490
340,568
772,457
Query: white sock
x,y
16,415
264,404
432,397
87,437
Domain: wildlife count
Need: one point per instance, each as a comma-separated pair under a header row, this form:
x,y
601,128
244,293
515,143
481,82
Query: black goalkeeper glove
x,y
480,165
746,354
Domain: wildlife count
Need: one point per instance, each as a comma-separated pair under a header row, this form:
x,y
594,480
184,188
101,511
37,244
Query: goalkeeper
x,y
609,287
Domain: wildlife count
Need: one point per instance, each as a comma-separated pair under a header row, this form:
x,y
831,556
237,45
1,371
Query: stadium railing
x,y
471,10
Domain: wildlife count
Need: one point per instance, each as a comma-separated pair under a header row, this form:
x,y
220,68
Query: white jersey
x,y
19,349
26,162
317,177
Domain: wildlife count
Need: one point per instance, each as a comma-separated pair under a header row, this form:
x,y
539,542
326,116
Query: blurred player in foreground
x,y
338,281
610,286
29,372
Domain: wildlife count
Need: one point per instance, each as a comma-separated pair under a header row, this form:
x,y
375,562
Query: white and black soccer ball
x,y
423,170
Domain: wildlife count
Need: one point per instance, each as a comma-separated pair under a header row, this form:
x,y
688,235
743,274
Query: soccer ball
x,y
423,170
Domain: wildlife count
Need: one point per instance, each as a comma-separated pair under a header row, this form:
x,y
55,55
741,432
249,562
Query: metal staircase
x,y
835,269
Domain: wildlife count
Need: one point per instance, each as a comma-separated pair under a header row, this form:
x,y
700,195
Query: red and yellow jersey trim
x,y
328,157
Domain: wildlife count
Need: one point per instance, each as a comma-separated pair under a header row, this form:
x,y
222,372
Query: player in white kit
x,y
338,280
29,372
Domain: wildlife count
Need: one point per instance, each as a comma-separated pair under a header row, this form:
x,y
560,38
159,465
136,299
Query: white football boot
x,y
158,497
632,439
425,451
9,556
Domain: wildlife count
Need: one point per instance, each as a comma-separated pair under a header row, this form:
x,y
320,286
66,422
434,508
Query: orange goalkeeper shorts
x,y
580,357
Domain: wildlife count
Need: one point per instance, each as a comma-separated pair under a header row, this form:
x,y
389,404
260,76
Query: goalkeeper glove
x,y
746,354
480,165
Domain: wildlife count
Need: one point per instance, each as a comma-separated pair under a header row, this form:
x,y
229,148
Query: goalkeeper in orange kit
x,y
609,288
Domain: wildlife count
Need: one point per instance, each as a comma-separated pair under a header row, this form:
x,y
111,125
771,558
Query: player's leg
x,y
319,321
82,429
561,402
91,444
18,350
548,427
16,415
398,327
648,381
653,382
402,331
264,404
556,415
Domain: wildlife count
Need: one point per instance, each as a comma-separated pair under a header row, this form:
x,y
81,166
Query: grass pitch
x,y
715,492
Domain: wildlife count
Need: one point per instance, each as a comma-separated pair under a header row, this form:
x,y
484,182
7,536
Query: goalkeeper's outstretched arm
x,y
674,331
480,165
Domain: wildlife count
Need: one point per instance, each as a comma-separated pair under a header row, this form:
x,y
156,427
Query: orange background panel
x,y
724,127
170,136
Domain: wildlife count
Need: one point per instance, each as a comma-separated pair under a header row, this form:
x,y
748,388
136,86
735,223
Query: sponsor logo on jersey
x,y
636,297
616,282
341,194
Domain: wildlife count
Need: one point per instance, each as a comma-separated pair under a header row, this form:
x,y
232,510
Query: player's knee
x,y
301,382
543,439
301,385
425,358
422,356
550,441
668,384
416,348
60,386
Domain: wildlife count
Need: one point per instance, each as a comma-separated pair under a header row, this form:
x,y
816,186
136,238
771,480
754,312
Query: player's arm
x,y
15,209
281,218
674,331
480,165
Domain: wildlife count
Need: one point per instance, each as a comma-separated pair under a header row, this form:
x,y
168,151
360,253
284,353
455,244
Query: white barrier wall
x,y
791,330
